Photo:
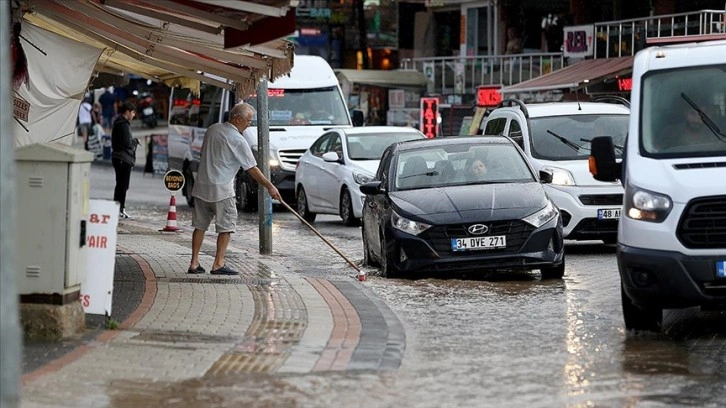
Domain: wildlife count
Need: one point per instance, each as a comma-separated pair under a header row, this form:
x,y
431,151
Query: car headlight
x,y
646,205
542,216
406,225
560,177
362,178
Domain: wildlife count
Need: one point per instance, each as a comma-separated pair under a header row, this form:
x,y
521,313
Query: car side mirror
x,y
331,157
357,117
545,176
372,188
601,162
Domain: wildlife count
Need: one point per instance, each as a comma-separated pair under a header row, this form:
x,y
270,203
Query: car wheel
x,y
346,209
246,200
636,318
387,251
188,184
555,272
367,257
302,206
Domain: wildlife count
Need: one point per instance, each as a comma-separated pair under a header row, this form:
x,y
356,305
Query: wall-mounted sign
x,y
579,41
488,96
396,98
429,117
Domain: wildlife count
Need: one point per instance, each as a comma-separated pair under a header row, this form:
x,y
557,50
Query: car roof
x,y
538,110
363,130
453,140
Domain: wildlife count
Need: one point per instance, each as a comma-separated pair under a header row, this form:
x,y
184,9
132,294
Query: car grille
x,y
703,223
601,199
289,158
440,236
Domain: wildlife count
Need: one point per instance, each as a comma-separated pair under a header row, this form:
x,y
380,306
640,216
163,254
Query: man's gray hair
x,y
241,109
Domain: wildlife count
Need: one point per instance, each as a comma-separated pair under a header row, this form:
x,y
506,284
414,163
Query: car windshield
x,y
568,137
370,146
461,164
686,112
304,107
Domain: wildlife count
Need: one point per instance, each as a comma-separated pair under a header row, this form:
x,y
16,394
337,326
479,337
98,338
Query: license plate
x,y
148,111
721,269
475,243
608,214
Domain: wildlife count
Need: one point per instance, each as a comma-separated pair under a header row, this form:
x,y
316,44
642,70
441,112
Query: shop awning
x,y
575,76
389,79
178,42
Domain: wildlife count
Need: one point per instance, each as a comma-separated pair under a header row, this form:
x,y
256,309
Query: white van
x,y
672,235
301,106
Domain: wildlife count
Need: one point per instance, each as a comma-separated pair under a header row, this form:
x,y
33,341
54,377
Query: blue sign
x,y
721,269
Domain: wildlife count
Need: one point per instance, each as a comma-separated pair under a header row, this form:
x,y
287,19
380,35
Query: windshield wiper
x,y
617,146
429,173
704,118
564,140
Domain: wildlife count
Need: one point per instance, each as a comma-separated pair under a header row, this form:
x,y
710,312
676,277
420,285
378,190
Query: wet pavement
x,y
296,330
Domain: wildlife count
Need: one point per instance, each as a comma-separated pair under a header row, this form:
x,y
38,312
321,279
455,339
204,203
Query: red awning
x,y
576,75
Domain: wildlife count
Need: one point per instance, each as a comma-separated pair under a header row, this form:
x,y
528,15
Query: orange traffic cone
x,y
171,217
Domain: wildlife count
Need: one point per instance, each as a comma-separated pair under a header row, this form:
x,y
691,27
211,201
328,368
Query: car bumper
x,y
542,248
668,279
284,180
580,221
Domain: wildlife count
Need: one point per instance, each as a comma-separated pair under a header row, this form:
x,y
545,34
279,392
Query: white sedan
x,y
329,173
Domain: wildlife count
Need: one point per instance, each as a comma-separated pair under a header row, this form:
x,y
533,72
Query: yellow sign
x,y
173,180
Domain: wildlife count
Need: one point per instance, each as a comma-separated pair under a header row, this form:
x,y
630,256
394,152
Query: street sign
x,y
173,181
429,117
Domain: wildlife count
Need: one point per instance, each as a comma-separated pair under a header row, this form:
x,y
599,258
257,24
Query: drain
x,y
243,281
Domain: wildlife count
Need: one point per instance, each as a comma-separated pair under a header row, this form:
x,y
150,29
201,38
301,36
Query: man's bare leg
x,y
197,239
222,241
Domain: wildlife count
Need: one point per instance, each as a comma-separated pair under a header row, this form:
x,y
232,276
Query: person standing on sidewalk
x,y
85,120
123,154
224,151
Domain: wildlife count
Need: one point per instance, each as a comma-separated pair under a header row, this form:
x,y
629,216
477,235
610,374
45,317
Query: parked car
x,y
555,137
329,172
426,212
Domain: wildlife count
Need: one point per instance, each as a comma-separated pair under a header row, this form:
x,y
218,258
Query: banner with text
x,y
97,287
579,41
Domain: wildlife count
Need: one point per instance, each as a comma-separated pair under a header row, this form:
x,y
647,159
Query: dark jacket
x,y
123,145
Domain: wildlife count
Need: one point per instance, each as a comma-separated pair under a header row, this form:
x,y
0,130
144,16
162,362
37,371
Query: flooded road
x,y
507,340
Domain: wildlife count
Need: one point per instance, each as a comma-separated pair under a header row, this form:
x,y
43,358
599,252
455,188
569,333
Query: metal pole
x,y
10,340
264,202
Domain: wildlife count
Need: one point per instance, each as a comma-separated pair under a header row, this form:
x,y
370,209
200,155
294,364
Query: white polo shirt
x,y
224,151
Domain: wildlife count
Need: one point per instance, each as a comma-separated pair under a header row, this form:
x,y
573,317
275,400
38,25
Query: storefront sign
x,y
488,96
579,41
396,98
21,108
159,153
429,117
97,287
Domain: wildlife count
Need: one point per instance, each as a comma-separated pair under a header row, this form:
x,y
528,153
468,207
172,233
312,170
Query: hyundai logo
x,y
478,229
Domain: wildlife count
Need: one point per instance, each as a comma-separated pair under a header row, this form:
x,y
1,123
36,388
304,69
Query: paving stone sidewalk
x,y
176,327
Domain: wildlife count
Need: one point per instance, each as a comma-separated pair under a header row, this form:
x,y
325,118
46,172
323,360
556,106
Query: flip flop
x,y
198,269
224,271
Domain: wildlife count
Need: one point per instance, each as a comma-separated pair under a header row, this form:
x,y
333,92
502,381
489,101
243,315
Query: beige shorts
x,y
224,213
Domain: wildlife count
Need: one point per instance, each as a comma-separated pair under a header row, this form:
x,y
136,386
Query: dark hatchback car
x,y
427,212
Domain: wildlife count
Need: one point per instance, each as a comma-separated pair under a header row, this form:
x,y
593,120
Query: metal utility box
x,y
52,193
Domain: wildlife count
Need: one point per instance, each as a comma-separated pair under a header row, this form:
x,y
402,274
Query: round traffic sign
x,y
173,180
